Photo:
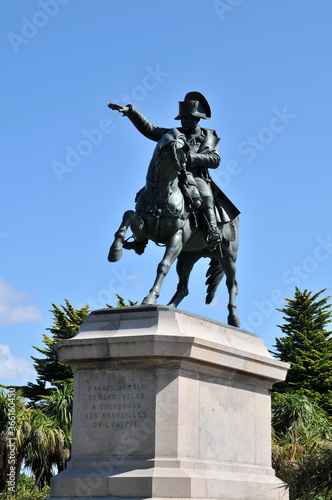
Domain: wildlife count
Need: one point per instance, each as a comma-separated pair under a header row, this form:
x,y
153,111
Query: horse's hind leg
x,y
129,218
186,261
232,286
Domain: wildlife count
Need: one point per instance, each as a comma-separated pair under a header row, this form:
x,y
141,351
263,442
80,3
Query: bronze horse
x,y
161,215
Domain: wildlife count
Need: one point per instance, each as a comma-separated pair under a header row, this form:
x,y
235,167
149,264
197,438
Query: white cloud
x,y
13,367
12,311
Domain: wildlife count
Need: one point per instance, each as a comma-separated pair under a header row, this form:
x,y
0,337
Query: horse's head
x,y
168,162
171,154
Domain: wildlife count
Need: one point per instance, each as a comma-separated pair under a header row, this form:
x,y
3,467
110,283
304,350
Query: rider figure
x,y
203,153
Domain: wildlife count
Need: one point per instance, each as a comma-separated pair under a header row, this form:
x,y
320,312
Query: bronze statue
x,y
181,207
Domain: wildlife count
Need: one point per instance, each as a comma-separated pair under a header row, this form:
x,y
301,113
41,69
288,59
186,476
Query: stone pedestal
x,y
168,405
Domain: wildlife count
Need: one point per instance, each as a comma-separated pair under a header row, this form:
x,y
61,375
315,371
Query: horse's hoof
x,y
149,300
114,254
234,320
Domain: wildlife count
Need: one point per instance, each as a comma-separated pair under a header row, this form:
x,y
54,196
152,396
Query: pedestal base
x,y
168,405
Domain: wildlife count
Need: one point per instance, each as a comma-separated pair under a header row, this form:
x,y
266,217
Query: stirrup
x,y
212,239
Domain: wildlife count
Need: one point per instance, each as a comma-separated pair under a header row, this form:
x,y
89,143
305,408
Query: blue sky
x,y
70,166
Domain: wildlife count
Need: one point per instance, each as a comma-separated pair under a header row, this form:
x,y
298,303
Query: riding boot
x,y
212,233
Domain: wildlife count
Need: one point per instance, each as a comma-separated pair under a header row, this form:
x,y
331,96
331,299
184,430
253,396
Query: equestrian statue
x,y
181,207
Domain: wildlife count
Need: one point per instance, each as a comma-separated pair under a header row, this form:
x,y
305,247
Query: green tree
x,y
315,475
66,323
15,429
59,406
307,346
26,490
43,427
122,303
301,440
45,447
28,435
51,373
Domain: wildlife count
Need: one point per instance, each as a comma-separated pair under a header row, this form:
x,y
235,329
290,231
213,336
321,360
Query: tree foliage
x,y
26,490
301,451
307,346
32,437
51,373
314,478
122,303
66,323
43,425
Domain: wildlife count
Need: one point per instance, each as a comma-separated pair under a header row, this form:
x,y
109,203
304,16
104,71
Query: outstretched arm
x,y
141,123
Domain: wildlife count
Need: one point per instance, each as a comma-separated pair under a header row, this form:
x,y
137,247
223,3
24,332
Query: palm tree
x,y
39,442
58,406
15,429
301,431
45,445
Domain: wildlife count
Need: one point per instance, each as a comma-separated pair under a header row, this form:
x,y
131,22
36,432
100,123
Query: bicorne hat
x,y
194,104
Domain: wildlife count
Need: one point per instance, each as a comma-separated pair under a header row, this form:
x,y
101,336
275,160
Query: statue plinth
x,y
168,405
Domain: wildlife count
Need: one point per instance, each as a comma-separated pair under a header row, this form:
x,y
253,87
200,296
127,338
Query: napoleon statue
x,y
180,207
198,188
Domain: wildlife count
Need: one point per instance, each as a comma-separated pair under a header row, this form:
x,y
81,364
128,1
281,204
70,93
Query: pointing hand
x,y
118,107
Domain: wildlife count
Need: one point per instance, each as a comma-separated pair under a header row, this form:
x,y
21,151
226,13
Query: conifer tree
x,y
66,323
307,346
51,373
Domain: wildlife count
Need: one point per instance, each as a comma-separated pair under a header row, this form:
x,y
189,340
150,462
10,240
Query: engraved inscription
x,y
116,406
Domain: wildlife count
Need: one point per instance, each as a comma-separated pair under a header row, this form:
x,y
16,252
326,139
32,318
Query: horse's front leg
x,y
130,218
173,250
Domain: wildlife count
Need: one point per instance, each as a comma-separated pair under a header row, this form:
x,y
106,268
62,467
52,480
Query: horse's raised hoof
x,y
115,253
234,320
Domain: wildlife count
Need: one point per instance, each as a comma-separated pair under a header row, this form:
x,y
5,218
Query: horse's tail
x,y
214,274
